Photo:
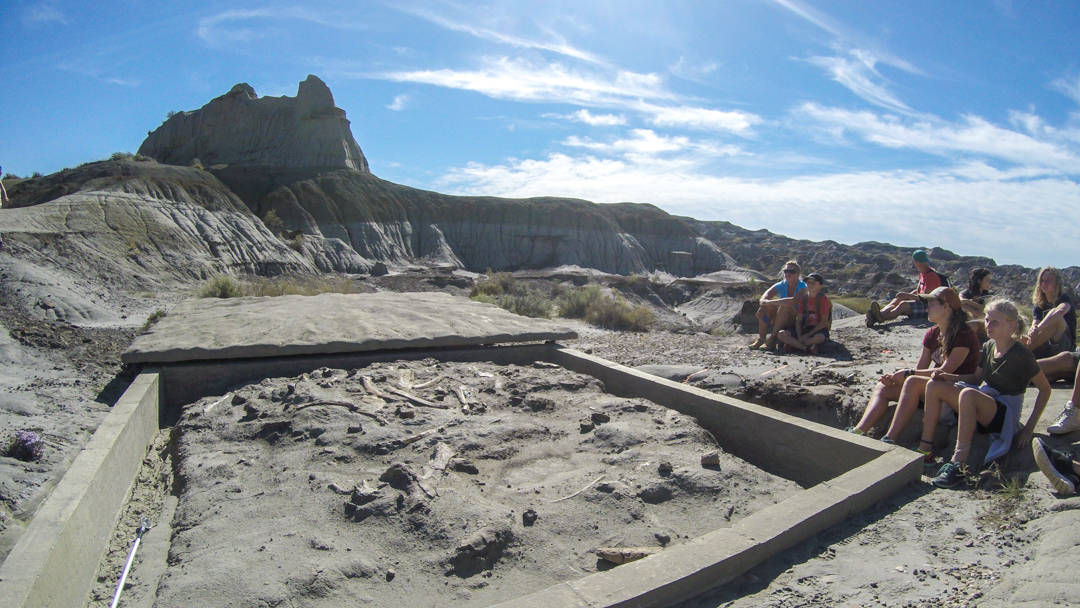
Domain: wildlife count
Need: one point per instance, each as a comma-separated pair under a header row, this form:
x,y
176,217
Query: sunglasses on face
x,y
790,271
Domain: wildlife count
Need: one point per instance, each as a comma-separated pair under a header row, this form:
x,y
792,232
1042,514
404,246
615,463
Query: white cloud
x,y
1070,86
556,44
735,121
85,67
520,80
399,102
857,72
44,12
645,143
973,135
966,210
697,72
595,120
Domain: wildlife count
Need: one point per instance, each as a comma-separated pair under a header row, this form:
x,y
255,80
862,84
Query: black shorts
x,y
997,423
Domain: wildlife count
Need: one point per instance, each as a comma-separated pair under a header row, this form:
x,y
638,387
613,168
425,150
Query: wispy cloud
x,y
858,73
554,44
85,68
399,102
521,80
694,71
595,120
43,12
972,135
644,143
247,25
1070,86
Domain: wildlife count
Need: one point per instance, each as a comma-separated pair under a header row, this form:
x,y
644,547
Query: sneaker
x,y
930,466
870,318
1057,466
855,430
875,309
1068,422
886,439
950,475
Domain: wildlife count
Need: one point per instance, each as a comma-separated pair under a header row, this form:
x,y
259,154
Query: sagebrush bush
x,y
598,308
528,304
496,284
221,286
575,303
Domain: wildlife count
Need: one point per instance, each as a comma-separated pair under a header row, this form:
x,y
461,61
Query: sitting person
x,y
949,346
907,302
974,299
813,316
1055,369
1005,369
1060,467
1054,328
776,308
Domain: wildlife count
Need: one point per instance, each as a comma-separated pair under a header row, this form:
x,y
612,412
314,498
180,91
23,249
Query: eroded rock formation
x,y
244,130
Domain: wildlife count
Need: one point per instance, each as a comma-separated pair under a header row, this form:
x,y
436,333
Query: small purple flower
x,y
26,446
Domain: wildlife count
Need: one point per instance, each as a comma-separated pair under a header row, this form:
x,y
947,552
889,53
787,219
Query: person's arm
x,y
973,379
1056,312
1041,383
955,358
768,296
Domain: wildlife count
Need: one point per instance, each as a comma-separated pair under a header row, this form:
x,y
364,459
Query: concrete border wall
x,y
55,560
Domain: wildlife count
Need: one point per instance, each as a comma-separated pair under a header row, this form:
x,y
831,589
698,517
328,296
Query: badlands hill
x,y
272,185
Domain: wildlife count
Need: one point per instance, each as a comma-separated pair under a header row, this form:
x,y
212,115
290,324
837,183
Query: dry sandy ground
x,y
315,491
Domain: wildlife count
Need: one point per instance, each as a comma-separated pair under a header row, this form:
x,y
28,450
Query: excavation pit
x,y
815,477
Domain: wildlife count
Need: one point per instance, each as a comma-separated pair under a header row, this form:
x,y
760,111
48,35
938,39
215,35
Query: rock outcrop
x,y
244,130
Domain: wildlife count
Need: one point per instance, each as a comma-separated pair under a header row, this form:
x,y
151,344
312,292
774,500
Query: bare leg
x,y
937,393
914,387
1047,332
784,318
903,308
878,405
1059,367
763,312
973,407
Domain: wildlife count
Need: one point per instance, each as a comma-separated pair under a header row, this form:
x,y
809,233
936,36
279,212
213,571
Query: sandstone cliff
x,y
242,129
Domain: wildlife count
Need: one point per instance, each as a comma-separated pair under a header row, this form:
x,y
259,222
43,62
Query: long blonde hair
x,y
1007,308
1038,298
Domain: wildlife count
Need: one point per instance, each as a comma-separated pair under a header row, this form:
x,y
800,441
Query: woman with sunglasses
x,y
949,346
776,308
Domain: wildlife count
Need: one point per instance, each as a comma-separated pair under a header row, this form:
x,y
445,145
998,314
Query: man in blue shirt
x,y
776,308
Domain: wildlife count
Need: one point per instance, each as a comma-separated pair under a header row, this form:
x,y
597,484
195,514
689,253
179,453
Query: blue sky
x,y
920,123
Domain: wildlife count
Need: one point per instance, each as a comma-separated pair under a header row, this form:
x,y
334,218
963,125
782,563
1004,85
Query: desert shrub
x,y
170,114
153,318
142,158
528,304
598,308
575,303
221,286
273,222
11,176
616,313
36,175
26,446
496,284
121,156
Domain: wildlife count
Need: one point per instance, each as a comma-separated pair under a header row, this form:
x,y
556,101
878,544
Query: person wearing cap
x,y
813,314
906,303
949,346
776,308
989,400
